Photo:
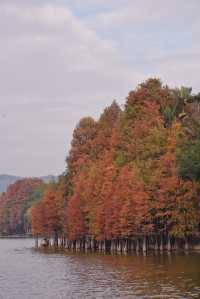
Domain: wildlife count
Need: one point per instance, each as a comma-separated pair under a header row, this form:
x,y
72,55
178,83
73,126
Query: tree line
x,y
15,206
132,177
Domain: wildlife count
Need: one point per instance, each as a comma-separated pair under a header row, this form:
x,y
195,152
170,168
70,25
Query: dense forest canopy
x,y
15,204
134,172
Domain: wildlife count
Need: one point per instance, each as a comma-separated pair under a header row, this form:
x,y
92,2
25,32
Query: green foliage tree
x,y
188,159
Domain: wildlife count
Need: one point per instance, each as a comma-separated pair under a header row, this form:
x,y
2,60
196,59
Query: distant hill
x,y
6,180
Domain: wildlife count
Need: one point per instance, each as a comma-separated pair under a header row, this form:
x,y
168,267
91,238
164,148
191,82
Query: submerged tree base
x,y
122,246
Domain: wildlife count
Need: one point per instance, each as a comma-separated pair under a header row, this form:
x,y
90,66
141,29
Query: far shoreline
x,y
16,237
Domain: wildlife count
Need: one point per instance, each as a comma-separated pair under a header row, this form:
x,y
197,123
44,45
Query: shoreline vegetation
x,y
132,180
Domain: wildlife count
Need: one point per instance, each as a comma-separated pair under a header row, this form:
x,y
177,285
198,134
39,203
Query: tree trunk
x,y
144,244
186,244
175,244
137,245
156,244
125,247
168,243
56,239
132,247
161,243
36,242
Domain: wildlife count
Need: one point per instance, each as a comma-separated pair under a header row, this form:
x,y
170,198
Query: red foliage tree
x,y
14,203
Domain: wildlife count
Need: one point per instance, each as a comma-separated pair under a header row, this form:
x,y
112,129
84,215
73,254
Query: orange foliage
x,y
13,204
122,175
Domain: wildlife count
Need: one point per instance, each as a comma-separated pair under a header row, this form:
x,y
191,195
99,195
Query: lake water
x,y
27,274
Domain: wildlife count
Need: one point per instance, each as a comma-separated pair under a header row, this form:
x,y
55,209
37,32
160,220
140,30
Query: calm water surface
x,y
26,274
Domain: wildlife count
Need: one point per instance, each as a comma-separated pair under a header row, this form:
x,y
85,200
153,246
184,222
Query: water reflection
x,y
161,276
26,274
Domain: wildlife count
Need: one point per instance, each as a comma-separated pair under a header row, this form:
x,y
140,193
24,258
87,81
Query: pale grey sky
x,y
62,60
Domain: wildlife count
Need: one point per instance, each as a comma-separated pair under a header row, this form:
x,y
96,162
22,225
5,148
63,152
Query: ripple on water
x,y
27,274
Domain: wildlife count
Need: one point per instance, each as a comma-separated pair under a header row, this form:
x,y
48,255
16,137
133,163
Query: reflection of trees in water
x,y
174,275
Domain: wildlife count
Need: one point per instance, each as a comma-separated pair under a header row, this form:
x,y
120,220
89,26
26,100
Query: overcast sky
x,y
65,59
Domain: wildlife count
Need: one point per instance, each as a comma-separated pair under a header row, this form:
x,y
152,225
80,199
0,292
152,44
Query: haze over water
x,y
27,274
